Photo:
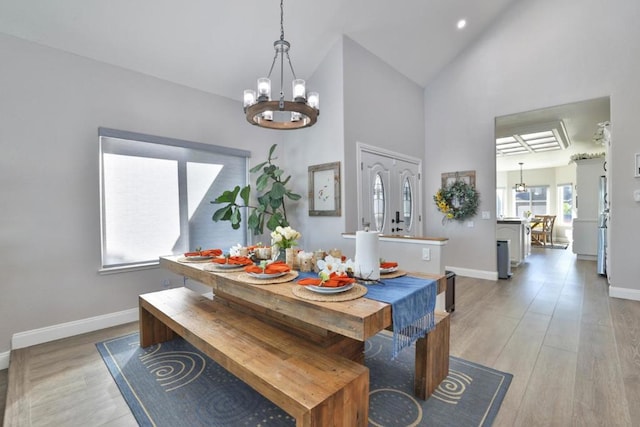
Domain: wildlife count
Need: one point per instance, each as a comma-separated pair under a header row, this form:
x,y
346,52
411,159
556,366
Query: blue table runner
x,y
413,301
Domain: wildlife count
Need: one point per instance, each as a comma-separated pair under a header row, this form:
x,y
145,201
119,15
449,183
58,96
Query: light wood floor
x,y
574,353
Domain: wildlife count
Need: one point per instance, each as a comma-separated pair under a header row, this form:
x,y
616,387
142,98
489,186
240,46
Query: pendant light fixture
x,y
521,187
302,111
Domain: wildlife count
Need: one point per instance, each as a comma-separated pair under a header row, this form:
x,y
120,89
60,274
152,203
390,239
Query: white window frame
x,y
162,148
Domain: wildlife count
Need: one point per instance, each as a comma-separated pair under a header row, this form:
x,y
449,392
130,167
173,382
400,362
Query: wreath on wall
x,y
457,201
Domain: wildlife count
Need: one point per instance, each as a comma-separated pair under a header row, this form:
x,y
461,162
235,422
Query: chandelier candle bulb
x,y
299,90
314,100
249,97
264,89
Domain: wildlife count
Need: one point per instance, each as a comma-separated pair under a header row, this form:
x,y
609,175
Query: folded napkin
x,y
236,260
206,252
388,264
273,268
334,281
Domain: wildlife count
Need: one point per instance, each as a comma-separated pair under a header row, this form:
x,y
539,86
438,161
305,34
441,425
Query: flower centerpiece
x,y
457,201
284,238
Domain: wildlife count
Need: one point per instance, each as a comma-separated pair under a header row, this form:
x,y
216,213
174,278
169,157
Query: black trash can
x,y
504,259
450,295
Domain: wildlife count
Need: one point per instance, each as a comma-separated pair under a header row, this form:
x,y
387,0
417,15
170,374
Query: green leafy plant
x,y
272,192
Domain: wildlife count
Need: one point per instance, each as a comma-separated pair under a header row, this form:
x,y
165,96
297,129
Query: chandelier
x,y
302,111
521,187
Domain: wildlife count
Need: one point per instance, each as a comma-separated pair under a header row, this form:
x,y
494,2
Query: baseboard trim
x,y
69,329
624,293
4,360
476,274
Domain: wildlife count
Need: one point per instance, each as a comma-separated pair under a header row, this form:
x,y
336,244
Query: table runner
x,y
413,301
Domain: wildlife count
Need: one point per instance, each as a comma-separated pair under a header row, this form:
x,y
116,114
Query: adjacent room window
x,y
500,202
156,197
565,204
533,200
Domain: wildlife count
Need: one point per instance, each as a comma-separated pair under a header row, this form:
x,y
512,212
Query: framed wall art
x,y
468,177
324,190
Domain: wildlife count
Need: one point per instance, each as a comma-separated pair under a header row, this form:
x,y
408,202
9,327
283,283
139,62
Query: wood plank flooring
x,y
574,353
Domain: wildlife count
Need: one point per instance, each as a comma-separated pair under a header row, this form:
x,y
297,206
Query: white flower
x,y
235,250
334,265
284,237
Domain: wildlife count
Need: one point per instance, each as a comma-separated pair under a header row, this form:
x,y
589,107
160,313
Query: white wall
x,y
540,53
51,105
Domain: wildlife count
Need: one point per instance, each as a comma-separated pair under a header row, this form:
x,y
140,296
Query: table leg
x,y
432,358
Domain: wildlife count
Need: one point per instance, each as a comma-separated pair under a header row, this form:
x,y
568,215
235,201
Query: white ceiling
x,y
223,46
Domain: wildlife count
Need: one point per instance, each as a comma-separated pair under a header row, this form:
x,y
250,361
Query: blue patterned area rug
x,y
173,384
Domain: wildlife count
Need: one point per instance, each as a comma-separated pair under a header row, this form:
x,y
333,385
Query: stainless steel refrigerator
x,y
603,219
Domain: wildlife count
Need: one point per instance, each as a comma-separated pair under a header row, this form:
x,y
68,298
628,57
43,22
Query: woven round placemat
x,y
393,275
354,293
254,281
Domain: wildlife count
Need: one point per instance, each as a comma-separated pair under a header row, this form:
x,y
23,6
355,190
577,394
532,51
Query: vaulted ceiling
x,y
223,46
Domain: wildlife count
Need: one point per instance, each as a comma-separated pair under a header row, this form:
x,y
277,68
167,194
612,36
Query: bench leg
x,y
152,330
432,358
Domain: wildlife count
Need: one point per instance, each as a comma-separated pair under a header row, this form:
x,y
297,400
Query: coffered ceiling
x,y
570,130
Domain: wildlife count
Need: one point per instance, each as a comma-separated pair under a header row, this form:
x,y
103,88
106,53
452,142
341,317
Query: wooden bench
x,y
315,387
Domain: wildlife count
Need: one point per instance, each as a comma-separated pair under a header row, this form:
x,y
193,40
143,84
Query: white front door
x,y
389,192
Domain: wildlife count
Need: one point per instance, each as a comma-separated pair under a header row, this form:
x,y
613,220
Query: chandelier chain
x,y
281,19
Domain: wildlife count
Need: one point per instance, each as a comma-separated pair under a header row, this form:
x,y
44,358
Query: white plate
x,y
198,258
217,267
228,266
388,270
266,275
329,290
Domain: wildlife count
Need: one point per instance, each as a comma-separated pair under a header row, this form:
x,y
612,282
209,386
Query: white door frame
x,y
365,148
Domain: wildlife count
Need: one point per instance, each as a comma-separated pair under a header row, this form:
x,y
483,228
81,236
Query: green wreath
x,y
457,201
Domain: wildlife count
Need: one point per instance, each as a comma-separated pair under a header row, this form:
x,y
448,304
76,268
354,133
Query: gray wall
x,y
51,104
540,53
382,108
322,143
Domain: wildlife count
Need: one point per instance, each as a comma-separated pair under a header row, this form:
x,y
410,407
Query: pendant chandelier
x,y
521,187
299,113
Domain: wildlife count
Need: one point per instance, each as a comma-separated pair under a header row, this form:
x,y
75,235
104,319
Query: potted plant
x,y
271,194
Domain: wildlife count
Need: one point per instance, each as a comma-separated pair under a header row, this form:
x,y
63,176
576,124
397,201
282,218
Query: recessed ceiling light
x,y
462,23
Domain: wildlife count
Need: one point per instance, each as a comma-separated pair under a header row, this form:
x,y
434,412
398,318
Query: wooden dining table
x,y
340,327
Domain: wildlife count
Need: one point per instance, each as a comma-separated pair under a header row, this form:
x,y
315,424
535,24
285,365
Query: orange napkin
x,y
388,264
274,267
334,281
206,252
236,260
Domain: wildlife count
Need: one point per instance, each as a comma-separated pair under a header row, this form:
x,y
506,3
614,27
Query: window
x,y
533,200
407,200
565,204
500,202
156,197
378,202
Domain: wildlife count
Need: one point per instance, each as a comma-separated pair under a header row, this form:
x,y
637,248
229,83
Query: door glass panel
x,y
378,202
407,203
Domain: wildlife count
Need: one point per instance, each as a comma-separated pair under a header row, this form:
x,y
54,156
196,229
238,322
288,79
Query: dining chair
x,y
536,223
542,232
